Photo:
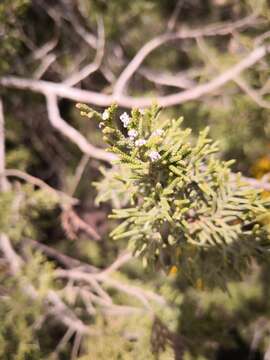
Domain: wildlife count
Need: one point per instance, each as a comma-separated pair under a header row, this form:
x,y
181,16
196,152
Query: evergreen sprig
x,y
186,209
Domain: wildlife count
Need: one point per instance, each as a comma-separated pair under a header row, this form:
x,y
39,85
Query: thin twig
x,y
72,223
119,262
75,136
174,15
3,180
78,173
94,66
63,342
253,94
141,294
212,30
178,80
40,183
65,260
43,67
76,346
41,52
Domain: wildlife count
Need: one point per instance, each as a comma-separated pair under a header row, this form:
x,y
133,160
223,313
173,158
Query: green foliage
x,y
204,318
186,207
10,13
19,315
109,190
241,114
21,208
123,339
223,319
119,14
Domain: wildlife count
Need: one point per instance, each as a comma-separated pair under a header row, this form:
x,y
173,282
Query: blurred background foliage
x,y
211,325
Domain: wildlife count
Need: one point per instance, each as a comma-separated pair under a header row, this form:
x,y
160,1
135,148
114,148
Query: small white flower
x,y
132,133
154,155
105,115
158,132
140,142
100,125
125,119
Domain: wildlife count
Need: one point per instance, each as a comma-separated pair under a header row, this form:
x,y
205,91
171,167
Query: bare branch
x,y
214,84
40,183
65,315
63,259
212,30
86,36
45,64
78,173
51,90
3,180
142,295
76,346
92,277
179,80
261,184
15,262
120,261
174,15
94,66
63,342
56,89
72,223
41,52
261,38
75,136
253,94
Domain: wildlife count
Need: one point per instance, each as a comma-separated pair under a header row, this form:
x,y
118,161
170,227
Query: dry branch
x,y
40,183
75,136
212,30
94,66
53,90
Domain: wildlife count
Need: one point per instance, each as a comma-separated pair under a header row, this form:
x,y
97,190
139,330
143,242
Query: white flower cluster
x,y
125,119
140,142
105,115
132,134
154,155
158,132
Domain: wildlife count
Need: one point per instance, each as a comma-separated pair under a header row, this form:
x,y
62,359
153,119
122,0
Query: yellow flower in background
x,y
261,167
199,284
265,194
173,270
